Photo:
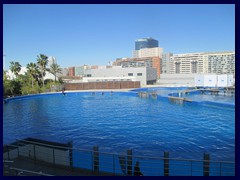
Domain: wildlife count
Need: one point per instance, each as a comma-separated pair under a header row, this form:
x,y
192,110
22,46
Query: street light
x,y
4,56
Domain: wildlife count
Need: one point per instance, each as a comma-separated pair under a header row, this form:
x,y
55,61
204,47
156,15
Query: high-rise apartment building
x,y
188,63
145,43
221,63
208,62
51,60
165,63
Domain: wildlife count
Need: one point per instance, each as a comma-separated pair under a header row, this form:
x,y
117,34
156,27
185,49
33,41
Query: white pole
x,y
4,56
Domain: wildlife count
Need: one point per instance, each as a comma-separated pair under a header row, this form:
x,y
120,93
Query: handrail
x,y
144,157
7,161
110,162
37,143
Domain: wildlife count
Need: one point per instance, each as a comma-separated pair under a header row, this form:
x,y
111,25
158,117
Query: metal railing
x,y
118,164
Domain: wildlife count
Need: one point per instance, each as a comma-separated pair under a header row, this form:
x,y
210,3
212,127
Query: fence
x,y
117,164
103,85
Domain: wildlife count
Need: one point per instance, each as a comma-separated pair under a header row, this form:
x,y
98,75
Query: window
x,y
130,74
139,74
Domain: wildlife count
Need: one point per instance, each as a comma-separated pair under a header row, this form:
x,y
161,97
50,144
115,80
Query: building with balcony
x,y
207,62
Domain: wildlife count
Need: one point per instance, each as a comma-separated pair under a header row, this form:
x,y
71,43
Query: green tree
x,y
15,67
25,79
42,61
10,87
7,88
33,71
54,69
5,76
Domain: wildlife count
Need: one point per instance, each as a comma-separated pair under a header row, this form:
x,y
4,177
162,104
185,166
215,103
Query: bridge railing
x,y
118,163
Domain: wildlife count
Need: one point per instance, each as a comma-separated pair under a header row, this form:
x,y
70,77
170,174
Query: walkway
x,y
38,167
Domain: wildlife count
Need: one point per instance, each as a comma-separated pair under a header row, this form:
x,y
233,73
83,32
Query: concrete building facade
x,y
148,52
177,79
71,71
165,63
64,72
217,62
146,75
221,62
152,62
187,63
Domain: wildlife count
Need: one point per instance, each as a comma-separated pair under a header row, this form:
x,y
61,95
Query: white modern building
x,y
148,52
12,76
146,75
24,70
197,80
205,80
214,80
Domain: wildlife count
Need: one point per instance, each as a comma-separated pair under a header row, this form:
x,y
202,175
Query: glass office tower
x,y
145,43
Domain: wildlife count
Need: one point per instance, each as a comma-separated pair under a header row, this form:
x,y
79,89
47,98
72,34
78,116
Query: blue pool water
x,y
227,99
124,121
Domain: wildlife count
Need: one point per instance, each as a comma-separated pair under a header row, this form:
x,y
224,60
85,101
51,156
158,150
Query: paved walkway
x,y
31,168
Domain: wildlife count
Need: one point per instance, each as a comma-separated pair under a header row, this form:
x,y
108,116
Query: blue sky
x,y
96,34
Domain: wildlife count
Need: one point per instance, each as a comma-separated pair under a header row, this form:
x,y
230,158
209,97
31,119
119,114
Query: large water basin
x,y
120,121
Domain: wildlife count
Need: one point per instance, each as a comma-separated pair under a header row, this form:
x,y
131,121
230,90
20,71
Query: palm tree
x,y
5,75
32,70
54,69
15,67
42,61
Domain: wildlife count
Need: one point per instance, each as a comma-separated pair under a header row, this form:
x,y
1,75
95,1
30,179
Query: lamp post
x,y
4,56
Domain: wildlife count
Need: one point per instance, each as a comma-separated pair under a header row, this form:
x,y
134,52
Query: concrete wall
x,y
231,80
177,79
199,80
151,74
121,72
222,80
210,80
141,74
